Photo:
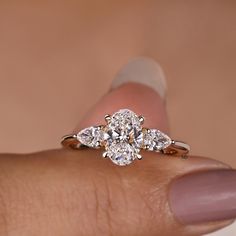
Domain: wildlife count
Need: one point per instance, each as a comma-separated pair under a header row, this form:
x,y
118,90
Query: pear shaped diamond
x,y
92,136
155,140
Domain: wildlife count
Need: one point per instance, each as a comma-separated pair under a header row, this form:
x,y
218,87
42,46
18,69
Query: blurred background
x,y
58,58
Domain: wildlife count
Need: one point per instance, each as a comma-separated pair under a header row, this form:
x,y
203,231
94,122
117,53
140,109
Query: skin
x,y
63,192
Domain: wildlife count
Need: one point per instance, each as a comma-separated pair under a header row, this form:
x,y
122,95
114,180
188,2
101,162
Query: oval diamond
x,y
124,137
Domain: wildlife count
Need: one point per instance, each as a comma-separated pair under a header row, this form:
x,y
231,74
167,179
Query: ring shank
x,y
71,141
177,148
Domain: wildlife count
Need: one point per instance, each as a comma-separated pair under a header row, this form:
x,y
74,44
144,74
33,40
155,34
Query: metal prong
x,y
100,127
107,118
98,144
139,157
105,154
148,131
141,119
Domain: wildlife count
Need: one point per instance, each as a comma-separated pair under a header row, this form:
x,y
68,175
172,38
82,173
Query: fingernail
x,y
204,197
144,71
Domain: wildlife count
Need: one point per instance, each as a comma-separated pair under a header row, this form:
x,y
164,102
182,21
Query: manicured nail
x,y
145,71
204,196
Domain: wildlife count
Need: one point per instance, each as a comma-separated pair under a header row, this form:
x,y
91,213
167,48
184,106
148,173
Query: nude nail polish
x,y
204,196
145,71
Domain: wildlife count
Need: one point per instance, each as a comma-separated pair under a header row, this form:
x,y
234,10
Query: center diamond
x,y
125,134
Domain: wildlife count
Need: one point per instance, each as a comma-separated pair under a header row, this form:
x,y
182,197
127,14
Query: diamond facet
x,y
92,136
155,140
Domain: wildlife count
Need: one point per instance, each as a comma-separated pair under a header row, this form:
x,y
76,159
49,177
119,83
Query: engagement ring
x,y
123,137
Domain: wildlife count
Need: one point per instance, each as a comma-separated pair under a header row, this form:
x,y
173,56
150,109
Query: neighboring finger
x,y
141,87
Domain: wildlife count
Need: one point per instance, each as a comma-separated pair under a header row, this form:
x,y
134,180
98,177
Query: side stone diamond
x,y
155,140
92,136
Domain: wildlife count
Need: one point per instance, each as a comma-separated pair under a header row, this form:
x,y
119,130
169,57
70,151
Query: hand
x,y
63,192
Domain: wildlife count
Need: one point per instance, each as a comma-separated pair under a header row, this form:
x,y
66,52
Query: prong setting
x,y
107,118
105,154
98,144
100,127
139,157
141,119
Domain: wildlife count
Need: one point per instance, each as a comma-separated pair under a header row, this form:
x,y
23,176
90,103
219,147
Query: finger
x,y
140,86
62,192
